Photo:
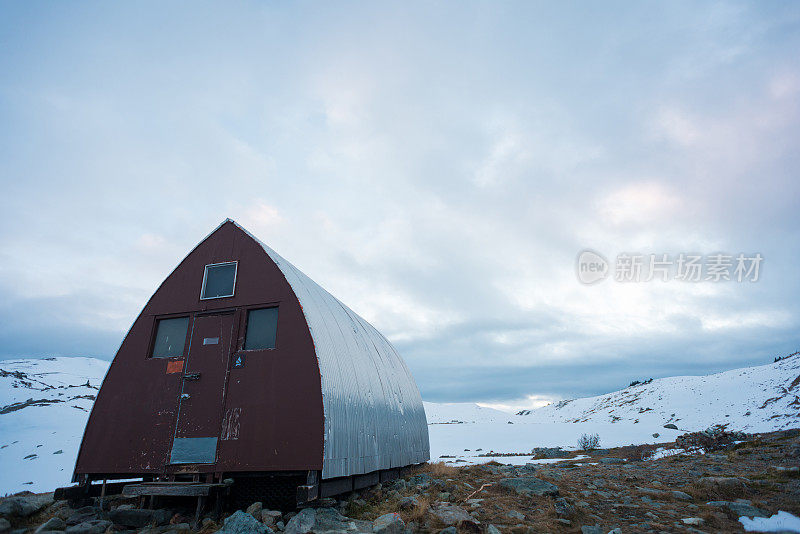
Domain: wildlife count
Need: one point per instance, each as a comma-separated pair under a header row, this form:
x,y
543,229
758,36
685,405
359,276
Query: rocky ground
x,y
602,491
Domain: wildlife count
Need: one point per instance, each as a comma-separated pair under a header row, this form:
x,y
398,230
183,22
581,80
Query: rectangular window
x,y
219,280
170,337
262,328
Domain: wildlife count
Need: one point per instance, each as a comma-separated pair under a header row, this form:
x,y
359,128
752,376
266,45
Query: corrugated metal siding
x,y
374,418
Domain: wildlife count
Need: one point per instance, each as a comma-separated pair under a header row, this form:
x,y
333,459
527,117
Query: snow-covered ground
x,y
44,405
751,399
461,433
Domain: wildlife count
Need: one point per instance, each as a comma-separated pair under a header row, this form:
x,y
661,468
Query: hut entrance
x,y
202,395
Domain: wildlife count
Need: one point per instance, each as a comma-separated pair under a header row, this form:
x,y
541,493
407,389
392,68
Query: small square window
x,y
170,337
219,280
262,328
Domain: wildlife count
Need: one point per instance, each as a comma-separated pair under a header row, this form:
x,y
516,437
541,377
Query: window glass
x,y
170,337
219,280
262,327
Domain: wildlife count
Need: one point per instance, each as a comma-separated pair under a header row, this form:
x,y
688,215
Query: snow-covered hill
x,y
44,405
752,399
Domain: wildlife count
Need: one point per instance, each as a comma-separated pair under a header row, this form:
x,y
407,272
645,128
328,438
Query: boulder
x,y
408,503
25,505
549,452
591,529
529,486
469,526
255,510
5,526
491,529
243,523
389,524
302,522
723,483
450,514
513,514
93,526
449,530
329,519
671,426
681,496
611,461
54,523
563,507
740,508
87,513
139,518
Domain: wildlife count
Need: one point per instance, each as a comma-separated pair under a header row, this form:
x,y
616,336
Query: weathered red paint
x,y
268,414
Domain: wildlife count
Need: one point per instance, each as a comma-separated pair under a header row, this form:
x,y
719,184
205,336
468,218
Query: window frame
x,y
245,323
154,335
235,263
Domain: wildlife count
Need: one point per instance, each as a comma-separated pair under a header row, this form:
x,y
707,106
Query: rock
x,y
656,434
243,523
611,461
450,514
94,526
695,521
786,470
329,519
615,531
563,507
54,523
549,452
591,529
25,505
681,496
671,426
408,503
529,486
389,524
302,522
740,508
724,483
267,518
422,480
491,529
449,530
87,513
469,526
444,496
4,525
255,510
139,518
564,521
513,514
280,525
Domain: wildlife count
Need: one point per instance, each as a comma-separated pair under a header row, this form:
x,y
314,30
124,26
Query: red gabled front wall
x,y
276,394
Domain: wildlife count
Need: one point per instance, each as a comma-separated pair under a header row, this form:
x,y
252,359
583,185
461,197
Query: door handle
x,y
192,376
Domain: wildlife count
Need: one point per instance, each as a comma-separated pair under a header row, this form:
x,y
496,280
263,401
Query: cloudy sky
x,y
436,166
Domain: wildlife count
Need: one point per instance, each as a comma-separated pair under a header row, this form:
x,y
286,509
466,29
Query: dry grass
x,y
708,492
440,470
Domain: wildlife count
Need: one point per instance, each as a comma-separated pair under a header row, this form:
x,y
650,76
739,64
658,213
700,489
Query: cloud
x,y
436,169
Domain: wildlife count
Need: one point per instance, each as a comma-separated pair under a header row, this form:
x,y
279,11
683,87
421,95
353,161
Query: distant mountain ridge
x,y
750,399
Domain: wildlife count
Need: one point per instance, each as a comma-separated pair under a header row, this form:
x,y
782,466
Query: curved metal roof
x,y
374,417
